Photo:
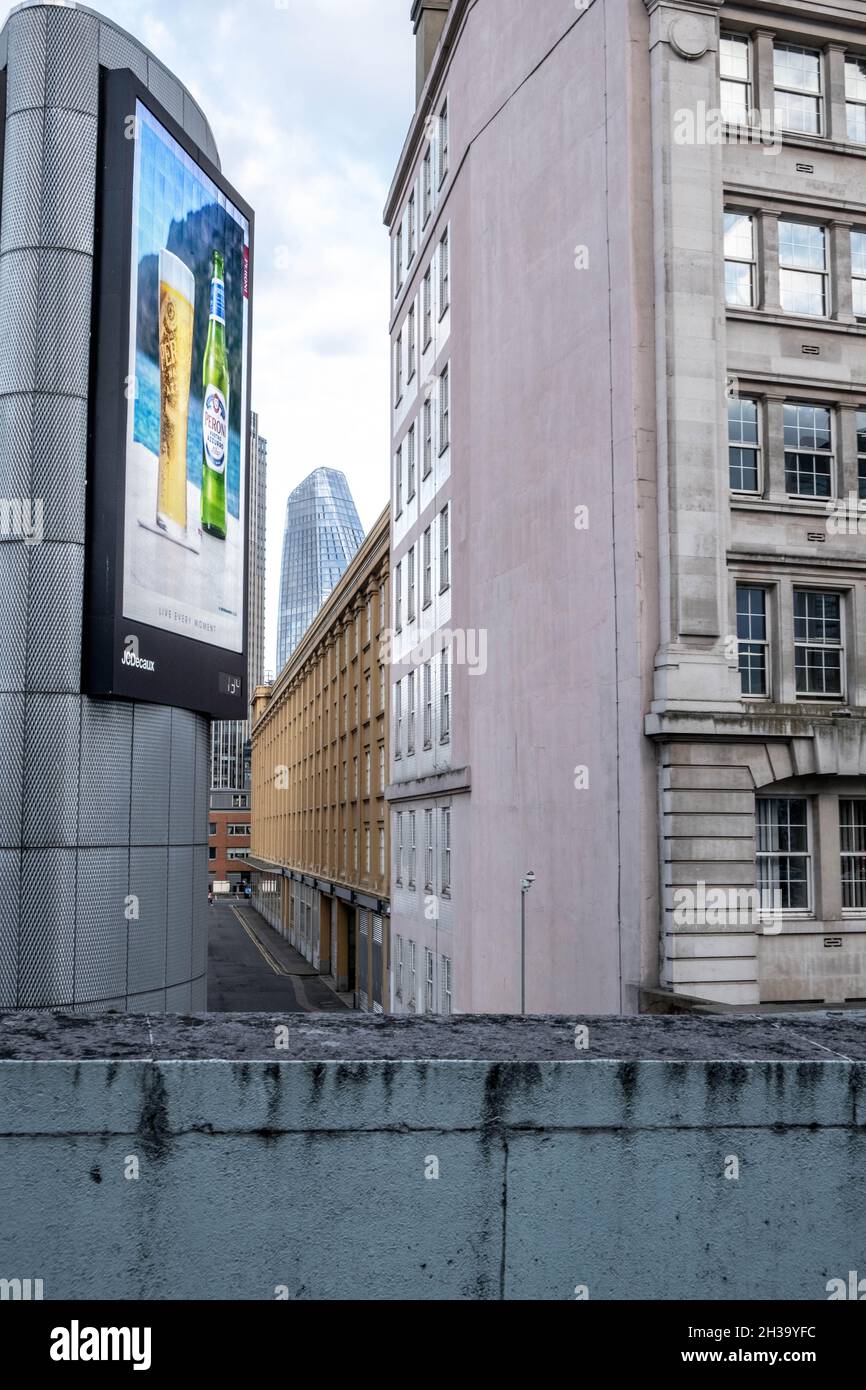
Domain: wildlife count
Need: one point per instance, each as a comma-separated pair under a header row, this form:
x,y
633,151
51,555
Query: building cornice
x,y
411,145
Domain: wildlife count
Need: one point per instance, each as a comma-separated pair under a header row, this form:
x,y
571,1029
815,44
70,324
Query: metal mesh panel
x,y
118,51
166,89
69,174
101,926
11,768
194,122
15,420
178,999
58,464
200,909
146,937
51,770
19,299
13,588
22,180
72,60
178,944
26,58
182,791
62,358
10,870
202,781
151,1003
54,626
106,770
198,996
47,935
150,739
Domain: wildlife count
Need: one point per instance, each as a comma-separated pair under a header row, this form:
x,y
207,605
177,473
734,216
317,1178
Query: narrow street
x,y
251,968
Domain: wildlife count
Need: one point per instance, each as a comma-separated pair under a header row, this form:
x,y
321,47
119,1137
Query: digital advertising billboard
x,y
170,418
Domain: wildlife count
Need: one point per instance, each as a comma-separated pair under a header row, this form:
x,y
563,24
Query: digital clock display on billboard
x,y
170,418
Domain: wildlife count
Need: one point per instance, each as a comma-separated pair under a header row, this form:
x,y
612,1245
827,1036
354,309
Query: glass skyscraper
x,y
322,534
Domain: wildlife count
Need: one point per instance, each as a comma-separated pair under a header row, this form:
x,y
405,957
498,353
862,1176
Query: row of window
x,y
406,342
356,852
819,642
407,850
356,777
436,157
417,566
800,95
810,434
405,718
406,458
406,979
784,855
804,266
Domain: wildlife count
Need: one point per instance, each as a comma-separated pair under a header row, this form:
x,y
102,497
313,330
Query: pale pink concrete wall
x,y
553,407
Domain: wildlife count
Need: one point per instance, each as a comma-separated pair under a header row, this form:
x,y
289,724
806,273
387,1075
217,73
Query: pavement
x,y
252,969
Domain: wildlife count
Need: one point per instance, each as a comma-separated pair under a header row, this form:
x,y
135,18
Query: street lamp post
x,y
525,884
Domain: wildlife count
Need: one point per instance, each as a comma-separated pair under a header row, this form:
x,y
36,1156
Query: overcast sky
x,y
309,101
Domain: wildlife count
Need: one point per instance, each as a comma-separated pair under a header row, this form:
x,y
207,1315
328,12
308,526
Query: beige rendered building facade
x,y
320,838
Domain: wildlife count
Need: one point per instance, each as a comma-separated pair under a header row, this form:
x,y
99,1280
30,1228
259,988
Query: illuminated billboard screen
x,y
170,418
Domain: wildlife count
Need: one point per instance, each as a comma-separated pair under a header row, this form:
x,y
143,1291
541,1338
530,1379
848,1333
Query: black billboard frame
x,y
175,670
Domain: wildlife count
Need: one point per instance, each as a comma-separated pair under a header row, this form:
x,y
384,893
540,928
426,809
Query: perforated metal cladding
x,y
63,348
116,50
72,61
101,927
69,180
19,302
151,1003
26,60
166,89
151,746
148,873
200,909
22,180
46,949
202,782
16,415
182,793
79,780
55,617
14,567
10,874
11,768
58,458
178,999
51,770
198,996
106,771
178,946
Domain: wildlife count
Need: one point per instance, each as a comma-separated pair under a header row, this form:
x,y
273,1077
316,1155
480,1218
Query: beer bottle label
x,y
215,429
218,300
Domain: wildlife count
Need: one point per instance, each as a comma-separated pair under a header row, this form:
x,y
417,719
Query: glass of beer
x,y
176,311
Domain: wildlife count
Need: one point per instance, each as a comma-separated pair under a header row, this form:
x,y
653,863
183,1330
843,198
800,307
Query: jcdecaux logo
x,y
132,656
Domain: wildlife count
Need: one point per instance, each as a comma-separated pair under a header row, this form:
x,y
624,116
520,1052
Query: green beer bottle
x,y
215,409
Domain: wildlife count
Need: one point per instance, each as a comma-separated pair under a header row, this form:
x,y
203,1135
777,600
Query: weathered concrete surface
x,y
303,1169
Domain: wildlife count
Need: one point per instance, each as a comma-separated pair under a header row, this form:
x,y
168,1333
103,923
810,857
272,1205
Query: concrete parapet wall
x,y
465,1159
